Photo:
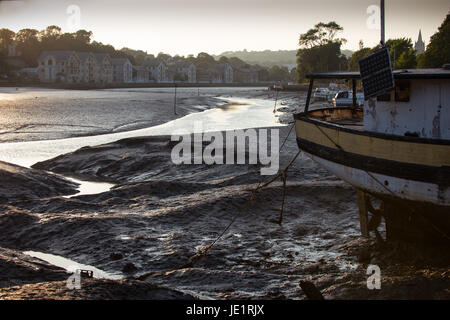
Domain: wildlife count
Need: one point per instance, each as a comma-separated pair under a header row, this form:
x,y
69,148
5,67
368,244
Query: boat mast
x,y
382,20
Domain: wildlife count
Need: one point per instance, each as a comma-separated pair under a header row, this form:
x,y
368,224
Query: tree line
x,y
320,51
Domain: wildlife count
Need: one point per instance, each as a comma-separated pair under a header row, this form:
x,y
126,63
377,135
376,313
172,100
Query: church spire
x,y
419,45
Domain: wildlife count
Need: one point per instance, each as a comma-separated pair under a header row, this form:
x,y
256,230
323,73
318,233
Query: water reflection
x,y
71,266
246,113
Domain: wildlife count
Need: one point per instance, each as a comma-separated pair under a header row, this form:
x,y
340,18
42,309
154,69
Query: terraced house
x,y
157,70
123,70
75,67
181,71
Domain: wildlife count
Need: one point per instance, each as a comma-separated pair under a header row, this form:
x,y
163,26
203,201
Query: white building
x,y
75,67
104,68
186,70
157,69
140,74
63,66
123,70
224,72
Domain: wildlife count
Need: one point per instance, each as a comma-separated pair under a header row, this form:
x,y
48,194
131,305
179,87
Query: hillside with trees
x,y
268,58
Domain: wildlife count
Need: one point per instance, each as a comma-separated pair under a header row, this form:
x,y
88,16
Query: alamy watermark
x,y
74,281
250,146
74,19
373,22
374,279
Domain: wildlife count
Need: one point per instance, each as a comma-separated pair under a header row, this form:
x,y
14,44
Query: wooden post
x,y
308,98
383,24
275,106
175,101
363,216
354,92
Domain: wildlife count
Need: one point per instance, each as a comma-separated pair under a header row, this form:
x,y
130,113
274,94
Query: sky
x,y
214,26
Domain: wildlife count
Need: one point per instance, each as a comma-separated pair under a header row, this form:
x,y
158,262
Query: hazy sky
x,y
213,26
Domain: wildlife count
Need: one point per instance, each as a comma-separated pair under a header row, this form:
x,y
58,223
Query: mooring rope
x,y
204,252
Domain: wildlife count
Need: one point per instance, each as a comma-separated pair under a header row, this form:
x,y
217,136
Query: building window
x,y
402,91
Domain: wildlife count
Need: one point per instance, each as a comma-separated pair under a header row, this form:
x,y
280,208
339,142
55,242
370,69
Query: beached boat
x,y
395,148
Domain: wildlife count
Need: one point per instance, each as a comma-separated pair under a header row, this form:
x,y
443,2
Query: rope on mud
x,y
282,145
281,175
437,229
205,251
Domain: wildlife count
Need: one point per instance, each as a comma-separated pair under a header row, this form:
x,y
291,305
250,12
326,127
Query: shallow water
x,y
72,266
30,114
247,113
89,187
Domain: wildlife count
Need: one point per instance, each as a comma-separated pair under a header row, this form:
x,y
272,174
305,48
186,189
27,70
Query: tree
x,y
204,60
50,37
83,37
438,51
402,53
163,56
6,38
51,32
321,34
277,73
353,64
320,50
28,43
224,60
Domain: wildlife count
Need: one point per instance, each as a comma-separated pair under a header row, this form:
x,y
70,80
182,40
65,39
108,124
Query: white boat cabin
x,y
418,107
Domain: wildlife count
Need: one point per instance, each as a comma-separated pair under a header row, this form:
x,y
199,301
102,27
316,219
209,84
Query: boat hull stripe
x,y
409,171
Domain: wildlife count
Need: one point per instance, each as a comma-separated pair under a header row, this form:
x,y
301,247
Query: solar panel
x,y
376,73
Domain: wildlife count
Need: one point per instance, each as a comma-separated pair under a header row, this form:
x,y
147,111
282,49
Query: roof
x,y
58,55
119,61
100,56
152,63
83,55
220,67
184,64
398,74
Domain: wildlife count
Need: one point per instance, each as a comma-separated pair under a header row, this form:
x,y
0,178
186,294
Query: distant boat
x,y
395,148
